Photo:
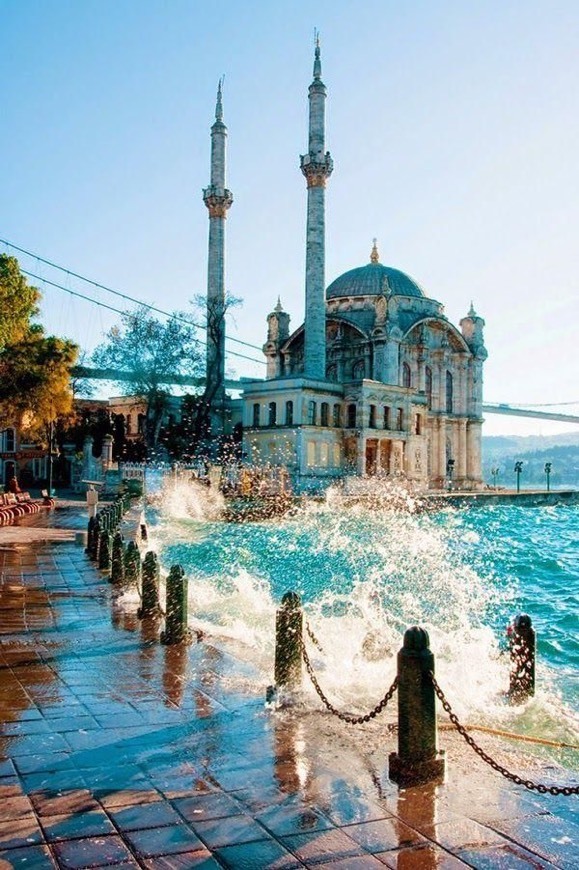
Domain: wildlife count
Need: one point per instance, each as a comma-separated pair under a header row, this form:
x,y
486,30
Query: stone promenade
x,y
118,752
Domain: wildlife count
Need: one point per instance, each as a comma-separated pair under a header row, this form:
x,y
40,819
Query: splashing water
x,y
366,573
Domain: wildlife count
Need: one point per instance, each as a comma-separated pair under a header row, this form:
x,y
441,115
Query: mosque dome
x,y
374,279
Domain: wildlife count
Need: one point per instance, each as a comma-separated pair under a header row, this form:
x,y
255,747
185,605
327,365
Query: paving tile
x,y
215,805
145,815
265,854
509,856
293,818
359,862
91,852
424,857
82,824
554,839
30,858
168,840
383,834
322,847
128,797
49,804
20,832
14,806
233,829
201,859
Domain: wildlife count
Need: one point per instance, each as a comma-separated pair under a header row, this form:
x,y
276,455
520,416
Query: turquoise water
x,y
366,574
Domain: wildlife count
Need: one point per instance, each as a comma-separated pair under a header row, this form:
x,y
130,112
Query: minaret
x,y
217,199
317,166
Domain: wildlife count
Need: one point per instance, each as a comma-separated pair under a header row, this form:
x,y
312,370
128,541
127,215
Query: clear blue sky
x,y
454,129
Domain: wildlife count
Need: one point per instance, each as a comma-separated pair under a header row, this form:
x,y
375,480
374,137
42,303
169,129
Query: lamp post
x,y
548,475
495,474
518,469
50,457
449,471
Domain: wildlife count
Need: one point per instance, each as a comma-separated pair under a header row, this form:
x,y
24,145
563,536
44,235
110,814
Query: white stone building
x,y
377,381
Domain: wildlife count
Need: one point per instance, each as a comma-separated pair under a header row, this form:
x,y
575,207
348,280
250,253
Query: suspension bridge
x,y
547,411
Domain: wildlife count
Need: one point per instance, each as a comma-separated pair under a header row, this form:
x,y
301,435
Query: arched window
x,y
428,385
448,393
9,440
256,414
386,417
325,414
337,417
332,373
372,417
406,376
400,419
418,424
272,414
352,416
129,424
311,413
289,413
358,370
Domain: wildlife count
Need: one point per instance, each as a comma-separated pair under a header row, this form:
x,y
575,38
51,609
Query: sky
x,y
454,129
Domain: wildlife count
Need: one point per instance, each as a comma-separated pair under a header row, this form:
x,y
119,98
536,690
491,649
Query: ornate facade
x,y
377,381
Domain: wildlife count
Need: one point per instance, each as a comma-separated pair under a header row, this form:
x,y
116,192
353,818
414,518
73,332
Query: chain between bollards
x,y
513,777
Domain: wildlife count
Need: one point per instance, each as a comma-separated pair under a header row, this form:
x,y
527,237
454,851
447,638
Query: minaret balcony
x,y
316,170
218,200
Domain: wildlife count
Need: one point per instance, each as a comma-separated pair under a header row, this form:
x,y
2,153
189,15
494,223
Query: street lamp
x,y
548,474
495,474
449,470
518,469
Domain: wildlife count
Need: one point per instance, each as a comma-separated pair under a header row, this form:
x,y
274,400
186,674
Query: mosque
x,y
376,381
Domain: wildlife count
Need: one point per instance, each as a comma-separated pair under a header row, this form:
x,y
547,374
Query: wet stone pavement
x,y
116,751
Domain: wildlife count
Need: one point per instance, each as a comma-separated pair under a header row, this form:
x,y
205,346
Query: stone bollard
x,y
176,629
288,644
105,551
132,564
98,531
90,535
522,648
118,561
150,587
417,760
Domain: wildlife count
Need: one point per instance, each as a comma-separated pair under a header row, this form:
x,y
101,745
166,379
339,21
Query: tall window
x,y
272,414
289,413
358,370
325,414
337,416
311,453
324,454
406,376
352,416
256,414
372,417
386,417
448,393
128,425
399,419
312,413
428,385
332,373
9,440
418,424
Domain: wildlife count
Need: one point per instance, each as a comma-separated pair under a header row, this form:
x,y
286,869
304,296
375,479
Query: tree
x,y
34,368
150,355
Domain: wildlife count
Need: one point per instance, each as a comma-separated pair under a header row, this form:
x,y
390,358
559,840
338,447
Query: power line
x,y
118,310
119,294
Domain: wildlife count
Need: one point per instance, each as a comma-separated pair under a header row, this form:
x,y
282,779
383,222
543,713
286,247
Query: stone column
x,y
442,447
461,458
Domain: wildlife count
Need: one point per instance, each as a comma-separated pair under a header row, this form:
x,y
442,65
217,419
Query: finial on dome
x,y
219,104
279,306
471,311
317,61
374,256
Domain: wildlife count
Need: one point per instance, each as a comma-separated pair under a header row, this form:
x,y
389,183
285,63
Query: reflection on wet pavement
x,y
117,751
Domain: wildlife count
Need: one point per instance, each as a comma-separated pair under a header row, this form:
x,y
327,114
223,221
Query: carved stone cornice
x,y
218,201
316,171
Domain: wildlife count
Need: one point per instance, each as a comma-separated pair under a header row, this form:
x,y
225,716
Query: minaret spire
x,y
218,200
317,166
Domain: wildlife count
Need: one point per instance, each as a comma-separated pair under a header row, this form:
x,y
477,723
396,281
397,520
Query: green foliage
x,y
34,367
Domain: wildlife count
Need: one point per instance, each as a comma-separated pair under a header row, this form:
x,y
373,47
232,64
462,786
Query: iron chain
x,y
313,638
351,720
513,777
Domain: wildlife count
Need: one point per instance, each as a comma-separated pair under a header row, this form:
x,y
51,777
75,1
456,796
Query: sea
x,y
367,571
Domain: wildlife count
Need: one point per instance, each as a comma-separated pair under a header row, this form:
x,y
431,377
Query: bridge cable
x,y
118,293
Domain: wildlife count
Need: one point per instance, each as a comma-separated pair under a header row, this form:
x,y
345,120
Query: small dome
x,y
373,280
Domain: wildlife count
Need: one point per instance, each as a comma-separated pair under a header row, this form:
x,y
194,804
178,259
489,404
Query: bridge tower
x,y
317,166
218,200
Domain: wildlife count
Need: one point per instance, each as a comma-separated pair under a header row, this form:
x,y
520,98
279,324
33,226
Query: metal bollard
x,y
417,760
176,629
132,564
522,645
98,531
105,551
288,642
118,561
150,587
90,535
